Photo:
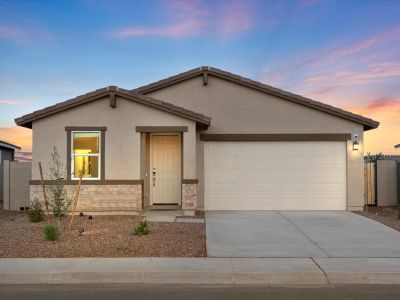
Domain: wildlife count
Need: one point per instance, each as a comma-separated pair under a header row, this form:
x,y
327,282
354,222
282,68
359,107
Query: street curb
x,y
201,271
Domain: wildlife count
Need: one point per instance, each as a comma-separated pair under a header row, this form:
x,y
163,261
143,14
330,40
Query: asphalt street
x,y
167,292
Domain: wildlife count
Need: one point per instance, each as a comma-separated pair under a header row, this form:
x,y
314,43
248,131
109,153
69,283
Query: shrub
x,y
121,246
51,232
142,228
59,200
35,212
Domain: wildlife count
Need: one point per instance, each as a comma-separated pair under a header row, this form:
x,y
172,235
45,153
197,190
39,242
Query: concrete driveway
x,y
298,234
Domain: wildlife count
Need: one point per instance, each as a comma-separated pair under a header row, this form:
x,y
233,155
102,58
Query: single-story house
x,y
7,152
203,139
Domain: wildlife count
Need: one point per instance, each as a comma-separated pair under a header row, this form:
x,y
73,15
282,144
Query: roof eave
x,y
26,120
367,123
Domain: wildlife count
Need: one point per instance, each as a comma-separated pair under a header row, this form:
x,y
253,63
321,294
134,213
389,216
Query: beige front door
x,y
165,169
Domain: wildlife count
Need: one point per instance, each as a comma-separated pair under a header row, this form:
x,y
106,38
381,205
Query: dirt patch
x,y
104,236
384,215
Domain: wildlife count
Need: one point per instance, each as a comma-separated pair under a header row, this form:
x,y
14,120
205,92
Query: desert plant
x,y
121,246
35,212
51,232
142,228
59,200
373,157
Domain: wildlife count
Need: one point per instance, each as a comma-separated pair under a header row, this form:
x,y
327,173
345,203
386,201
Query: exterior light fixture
x,y
356,144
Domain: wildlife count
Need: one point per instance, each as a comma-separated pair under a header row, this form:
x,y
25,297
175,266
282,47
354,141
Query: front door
x,y
165,169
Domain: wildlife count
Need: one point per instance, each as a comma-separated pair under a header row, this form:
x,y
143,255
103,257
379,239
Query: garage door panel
x,y
275,175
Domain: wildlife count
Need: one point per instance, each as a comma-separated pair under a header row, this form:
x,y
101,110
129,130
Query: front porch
x,y
167,154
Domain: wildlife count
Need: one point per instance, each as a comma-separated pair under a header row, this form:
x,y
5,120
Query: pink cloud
x,y
13,33
320,92
368,43
178,30
235,17
11,102
381,103
191,18
385,69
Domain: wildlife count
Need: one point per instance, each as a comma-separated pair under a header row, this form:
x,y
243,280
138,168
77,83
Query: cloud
x,y
11,102
11,33
187,28
235,18
320,92
19,136
363,45
387,111
192,18
362,76
376,106
362,69
23,156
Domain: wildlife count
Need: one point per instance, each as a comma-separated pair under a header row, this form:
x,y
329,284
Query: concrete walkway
x,y
219,271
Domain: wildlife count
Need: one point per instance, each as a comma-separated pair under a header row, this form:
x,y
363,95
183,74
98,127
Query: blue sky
x,y
344,53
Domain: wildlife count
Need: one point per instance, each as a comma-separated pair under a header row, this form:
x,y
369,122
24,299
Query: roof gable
x,y
210,71
113,91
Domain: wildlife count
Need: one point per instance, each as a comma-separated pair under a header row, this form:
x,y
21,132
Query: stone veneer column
x,y
189,197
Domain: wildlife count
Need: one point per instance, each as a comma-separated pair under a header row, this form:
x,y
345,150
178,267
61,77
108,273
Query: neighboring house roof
x,y
26,120
397,146
205,71
9,146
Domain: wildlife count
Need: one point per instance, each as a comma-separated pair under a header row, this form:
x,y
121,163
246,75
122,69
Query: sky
x,y
343,53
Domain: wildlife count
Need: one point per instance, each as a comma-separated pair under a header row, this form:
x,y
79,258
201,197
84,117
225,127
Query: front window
x,y
85,151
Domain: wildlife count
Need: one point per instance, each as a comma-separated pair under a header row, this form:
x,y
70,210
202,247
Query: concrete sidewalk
x,y
221,271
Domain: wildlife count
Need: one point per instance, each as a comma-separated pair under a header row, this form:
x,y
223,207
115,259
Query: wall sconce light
x,y
356,144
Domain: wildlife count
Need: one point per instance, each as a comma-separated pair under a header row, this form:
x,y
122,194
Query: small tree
x,y
60,203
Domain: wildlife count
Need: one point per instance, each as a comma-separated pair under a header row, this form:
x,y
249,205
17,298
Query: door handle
x,y
154,177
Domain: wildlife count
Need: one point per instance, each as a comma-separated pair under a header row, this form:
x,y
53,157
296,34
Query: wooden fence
x,y
370,183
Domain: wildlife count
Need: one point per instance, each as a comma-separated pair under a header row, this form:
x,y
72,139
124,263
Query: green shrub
x,y
51,232
142,228
59,201
35,212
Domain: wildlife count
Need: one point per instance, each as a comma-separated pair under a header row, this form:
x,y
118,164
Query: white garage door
x,y
275,175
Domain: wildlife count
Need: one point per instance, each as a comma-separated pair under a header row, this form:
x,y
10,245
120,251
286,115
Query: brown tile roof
x,y
201,120
368,123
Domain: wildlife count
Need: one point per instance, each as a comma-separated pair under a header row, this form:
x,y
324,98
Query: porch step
x,y
164,207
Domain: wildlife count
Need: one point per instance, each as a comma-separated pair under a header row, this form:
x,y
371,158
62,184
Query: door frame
x,y
179,135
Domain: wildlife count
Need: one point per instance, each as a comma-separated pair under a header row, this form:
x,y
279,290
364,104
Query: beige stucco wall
x,y
238,109
16,184
122,142
386,182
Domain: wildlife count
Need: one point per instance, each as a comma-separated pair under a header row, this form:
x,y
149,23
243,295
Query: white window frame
x,y
94,154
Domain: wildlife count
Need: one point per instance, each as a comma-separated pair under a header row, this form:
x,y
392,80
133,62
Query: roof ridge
x,y
370,123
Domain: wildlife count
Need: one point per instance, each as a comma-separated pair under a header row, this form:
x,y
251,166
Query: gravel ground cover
x,y
103,236
384,215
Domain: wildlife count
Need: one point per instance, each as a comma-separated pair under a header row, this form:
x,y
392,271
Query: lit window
x,y
85,151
